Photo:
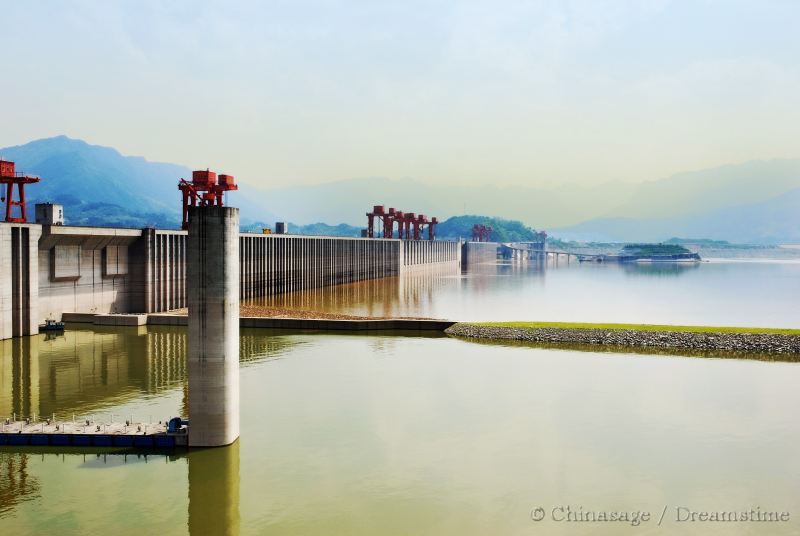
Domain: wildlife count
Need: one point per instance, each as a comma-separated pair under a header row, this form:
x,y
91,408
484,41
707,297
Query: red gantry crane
x,y
480,233
432,228
10,177
386,218
408,220
419,224
400,218
206,190
409,224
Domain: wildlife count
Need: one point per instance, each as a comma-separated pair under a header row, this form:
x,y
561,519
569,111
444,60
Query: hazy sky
x,y
293,92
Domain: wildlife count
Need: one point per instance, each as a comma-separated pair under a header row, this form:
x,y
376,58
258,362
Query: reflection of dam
x,y
387,297
16,482
88,369
56,269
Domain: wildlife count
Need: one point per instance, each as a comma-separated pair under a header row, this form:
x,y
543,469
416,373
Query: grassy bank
x,y
639,327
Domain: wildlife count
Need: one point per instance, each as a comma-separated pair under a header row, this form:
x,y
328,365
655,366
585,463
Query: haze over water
x,y
751,293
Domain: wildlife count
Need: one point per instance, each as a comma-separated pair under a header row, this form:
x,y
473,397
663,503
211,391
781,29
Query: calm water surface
x,y
725,293
386,434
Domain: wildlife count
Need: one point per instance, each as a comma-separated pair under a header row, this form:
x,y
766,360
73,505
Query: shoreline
x,y
697,339
783,342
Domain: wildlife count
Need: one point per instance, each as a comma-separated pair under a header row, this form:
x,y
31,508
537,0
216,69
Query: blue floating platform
x,y
140,436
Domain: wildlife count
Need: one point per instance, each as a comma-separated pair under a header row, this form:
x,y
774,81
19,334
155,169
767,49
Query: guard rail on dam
x,y
49,270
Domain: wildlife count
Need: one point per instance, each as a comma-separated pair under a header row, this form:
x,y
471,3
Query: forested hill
x,y
502,230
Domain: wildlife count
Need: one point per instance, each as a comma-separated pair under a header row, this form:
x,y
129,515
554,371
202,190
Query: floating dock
x,y
91,434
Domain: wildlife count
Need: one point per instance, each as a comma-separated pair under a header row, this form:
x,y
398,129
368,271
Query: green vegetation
x,y
557,243
502,230
312,229
716,244
323,229
639,327
706,242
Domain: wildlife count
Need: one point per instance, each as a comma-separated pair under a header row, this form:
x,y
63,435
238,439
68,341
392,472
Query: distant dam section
x,y
479,252
48,270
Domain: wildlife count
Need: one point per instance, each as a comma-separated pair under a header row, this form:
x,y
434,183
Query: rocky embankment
x,y
738,342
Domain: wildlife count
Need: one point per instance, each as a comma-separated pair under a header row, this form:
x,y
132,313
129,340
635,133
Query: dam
x,y
49,270
209,268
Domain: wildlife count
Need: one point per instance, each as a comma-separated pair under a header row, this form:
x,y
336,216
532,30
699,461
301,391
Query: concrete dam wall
x,y
19,298
49,270
479,252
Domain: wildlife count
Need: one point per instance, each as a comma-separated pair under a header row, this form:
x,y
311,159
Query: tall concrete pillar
x,y
213,347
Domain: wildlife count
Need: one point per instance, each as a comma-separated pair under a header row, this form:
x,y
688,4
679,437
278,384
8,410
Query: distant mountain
x,y
683,194
350,200
99,186
700,192
774,221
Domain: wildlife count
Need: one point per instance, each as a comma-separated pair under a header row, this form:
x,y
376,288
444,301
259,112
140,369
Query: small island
x,y
647,253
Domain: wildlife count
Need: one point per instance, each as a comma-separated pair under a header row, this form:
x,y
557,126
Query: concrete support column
x,y
213,295
141,261
19,284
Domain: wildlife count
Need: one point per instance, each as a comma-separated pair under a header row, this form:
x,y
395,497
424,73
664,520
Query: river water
x,y
751,293
391,434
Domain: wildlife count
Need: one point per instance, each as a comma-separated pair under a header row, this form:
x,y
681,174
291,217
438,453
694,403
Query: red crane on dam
x,y
480,232
408,218
410,225
420,223
10,177
386,218
400,218
207,189
432,228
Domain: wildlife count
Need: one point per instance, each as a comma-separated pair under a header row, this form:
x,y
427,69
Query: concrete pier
x,y
213,346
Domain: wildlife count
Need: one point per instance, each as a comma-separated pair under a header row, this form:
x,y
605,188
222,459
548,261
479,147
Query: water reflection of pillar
x,y
15,483
166,357
214,490
185,399
19,376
